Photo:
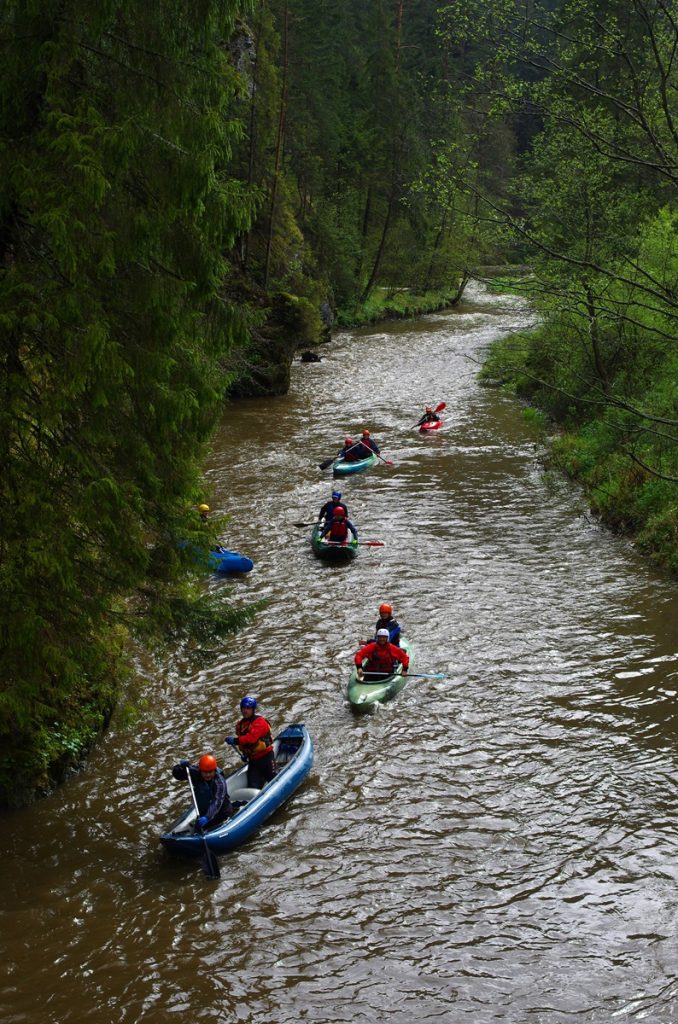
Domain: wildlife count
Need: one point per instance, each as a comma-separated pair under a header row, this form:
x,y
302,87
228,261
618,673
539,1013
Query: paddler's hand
x,y
360,674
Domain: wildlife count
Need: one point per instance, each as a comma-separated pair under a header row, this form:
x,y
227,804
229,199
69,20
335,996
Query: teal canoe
x,y
362,695
344,468
333,552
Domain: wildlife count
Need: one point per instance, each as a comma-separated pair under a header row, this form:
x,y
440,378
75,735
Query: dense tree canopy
x,y
184,187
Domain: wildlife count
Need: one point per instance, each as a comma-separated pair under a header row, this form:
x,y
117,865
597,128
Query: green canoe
x,y
333,552
344,468
362,695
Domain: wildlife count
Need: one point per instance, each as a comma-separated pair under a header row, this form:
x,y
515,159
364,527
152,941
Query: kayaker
x,y
254,740
327,511
386,621
337,530
367,445
209,785
429,416
382,658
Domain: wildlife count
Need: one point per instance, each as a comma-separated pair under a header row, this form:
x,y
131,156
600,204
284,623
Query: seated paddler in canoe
x,y
209,788
326,513
386,621
367,445
349,453
380,658
337,530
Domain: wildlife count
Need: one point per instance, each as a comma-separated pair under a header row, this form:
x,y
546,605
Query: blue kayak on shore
x,y
219,559
222,560
293,753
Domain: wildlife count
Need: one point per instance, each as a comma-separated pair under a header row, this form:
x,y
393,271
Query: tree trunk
x,y
278,145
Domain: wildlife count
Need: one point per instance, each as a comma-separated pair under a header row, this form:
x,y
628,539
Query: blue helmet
x,y
248,702
336,494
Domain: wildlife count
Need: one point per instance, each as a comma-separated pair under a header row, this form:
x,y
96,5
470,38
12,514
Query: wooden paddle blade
x,y
299,525
326,463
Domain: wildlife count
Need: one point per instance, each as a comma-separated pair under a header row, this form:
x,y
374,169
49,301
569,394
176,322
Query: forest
x,y
191,192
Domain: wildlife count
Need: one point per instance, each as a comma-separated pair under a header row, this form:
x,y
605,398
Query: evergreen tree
x,y
116,211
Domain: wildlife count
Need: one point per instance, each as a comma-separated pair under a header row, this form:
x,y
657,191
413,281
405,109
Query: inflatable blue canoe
x,y
222,560
293,752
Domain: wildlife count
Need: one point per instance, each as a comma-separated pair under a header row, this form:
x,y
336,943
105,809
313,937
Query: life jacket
x,y
338,530
351,452
259,747
382,660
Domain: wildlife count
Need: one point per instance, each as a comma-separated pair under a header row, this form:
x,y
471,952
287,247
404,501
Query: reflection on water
x,y
499,845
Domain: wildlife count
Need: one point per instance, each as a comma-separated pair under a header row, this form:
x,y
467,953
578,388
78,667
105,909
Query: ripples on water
x,y
500,845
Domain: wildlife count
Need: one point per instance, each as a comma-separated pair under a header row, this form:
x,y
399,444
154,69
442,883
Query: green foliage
x,y
590,201
300,317
385,304
116,210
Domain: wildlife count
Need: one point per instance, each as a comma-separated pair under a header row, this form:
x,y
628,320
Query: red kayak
x,y
431,425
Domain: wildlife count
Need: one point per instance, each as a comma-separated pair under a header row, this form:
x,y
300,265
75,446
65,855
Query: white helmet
x,y
382,632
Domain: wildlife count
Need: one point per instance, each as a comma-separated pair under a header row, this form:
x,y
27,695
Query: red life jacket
x,y
262,739
383,659
338,530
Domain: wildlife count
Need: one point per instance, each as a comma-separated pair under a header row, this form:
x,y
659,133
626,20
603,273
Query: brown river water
x,y
497,846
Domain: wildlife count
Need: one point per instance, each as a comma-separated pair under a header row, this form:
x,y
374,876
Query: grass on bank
x,y
395,304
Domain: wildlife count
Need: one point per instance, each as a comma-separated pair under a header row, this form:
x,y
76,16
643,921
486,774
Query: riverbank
x,y
399,304
619,451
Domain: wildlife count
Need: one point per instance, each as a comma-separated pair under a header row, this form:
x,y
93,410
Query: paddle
x,y
360,543
427,675
335,458
414,675
389,462
210,864
314,523
439,408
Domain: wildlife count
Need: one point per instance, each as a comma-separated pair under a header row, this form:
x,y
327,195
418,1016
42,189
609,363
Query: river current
x,y
499,845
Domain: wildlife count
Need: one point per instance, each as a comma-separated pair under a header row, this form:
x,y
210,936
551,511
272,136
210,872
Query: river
x,y
496,846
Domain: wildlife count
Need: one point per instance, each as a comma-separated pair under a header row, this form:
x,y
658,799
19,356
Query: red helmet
x,y
207,763
348,440
366,433
338,512
385,609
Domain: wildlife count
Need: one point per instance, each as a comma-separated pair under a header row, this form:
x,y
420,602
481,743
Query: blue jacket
x,y
211,797
327,511
366,447
393,628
